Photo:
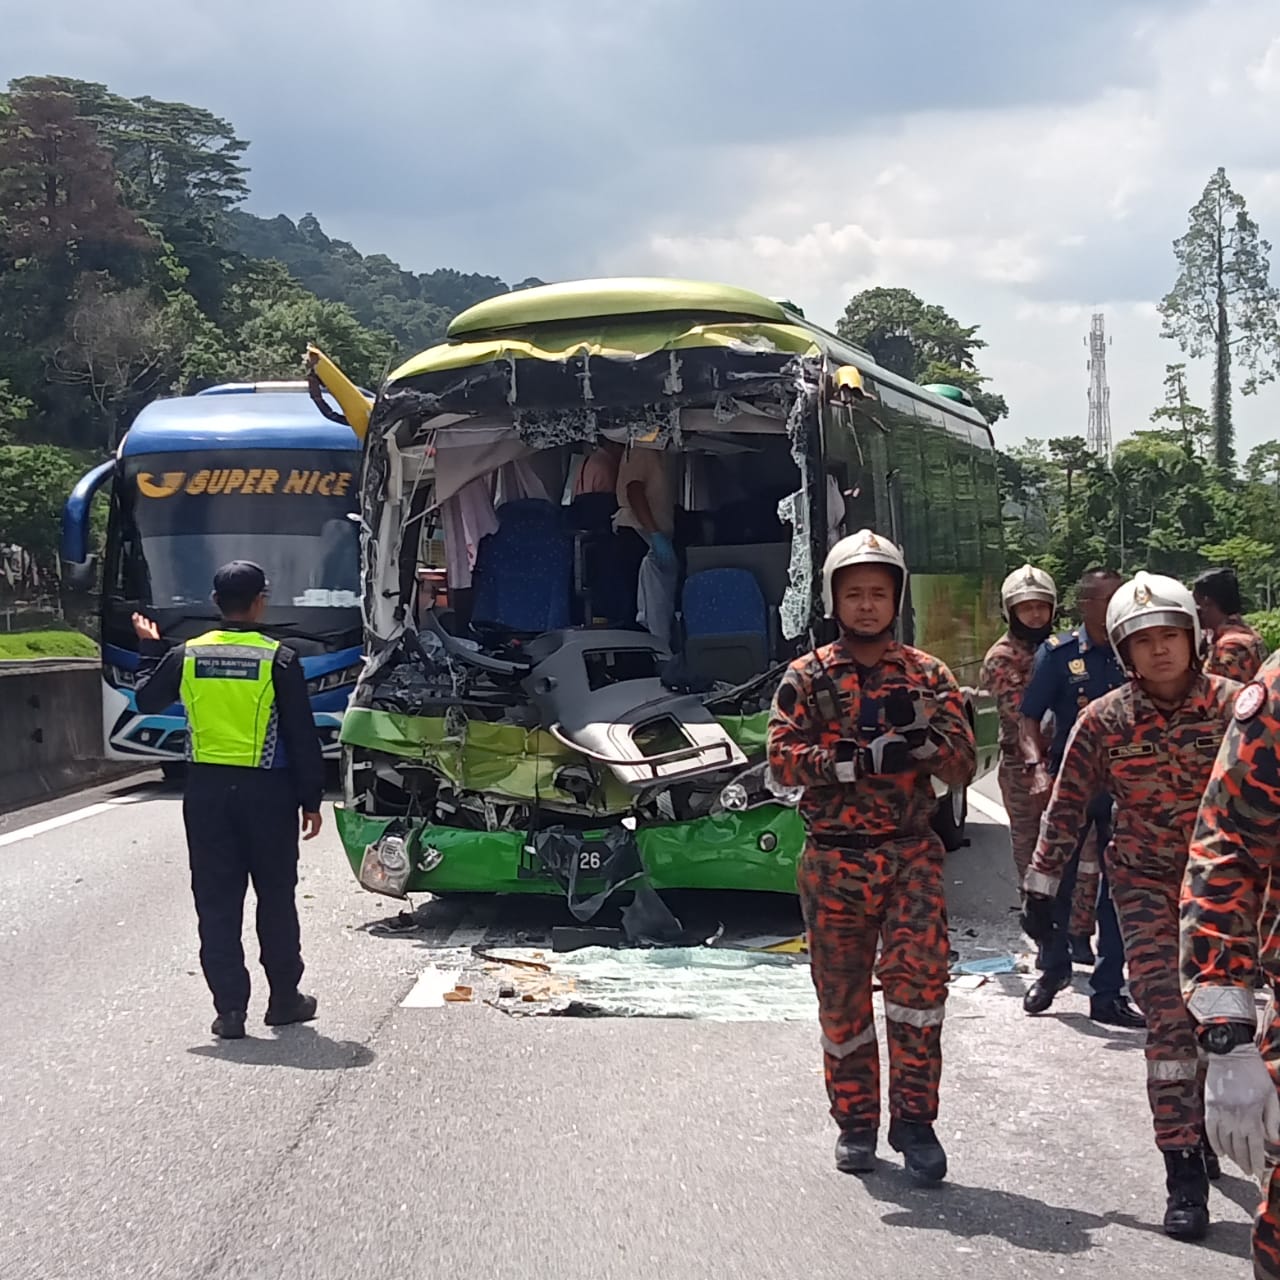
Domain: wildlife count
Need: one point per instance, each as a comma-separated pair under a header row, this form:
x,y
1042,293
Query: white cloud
x,y
1026,220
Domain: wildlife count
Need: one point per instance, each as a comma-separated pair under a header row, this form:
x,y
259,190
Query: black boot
x,y
1186,1216
1041,992
294,1008
920,1150
229,1026
856,1150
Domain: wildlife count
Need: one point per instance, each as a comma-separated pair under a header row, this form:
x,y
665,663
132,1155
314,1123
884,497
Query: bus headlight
x,y
335,679
385,866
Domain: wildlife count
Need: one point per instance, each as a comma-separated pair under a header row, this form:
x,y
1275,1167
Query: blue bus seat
x,y
523,573
726,625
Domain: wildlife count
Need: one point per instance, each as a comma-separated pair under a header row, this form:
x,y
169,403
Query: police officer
x,y
1236,650
1151,745
1231,884
1028,601
254,761
1071,670
863,726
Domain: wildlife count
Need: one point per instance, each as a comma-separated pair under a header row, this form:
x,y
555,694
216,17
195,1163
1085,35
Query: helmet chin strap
x,y
1031,635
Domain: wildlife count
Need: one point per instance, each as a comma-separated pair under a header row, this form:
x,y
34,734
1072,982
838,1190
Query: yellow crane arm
x,y
355,405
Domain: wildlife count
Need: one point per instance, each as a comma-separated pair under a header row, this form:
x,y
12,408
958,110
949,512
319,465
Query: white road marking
x,y
66,819
428,991
988,808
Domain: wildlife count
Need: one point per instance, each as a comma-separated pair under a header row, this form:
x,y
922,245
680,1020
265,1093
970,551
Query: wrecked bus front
x,y
532,736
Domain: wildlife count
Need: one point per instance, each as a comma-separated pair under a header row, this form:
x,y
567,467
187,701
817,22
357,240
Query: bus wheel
x,y
174,770
950,818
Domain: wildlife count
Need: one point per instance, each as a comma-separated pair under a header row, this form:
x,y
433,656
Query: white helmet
x,y
863,547
1153,600
1027,583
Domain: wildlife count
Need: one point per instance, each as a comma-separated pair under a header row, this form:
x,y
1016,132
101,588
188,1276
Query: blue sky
x,y
1023,164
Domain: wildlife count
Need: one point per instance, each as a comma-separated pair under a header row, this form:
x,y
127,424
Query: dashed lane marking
x,y
988,808
66,819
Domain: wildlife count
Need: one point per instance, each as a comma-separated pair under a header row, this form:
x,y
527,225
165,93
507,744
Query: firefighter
x,y
1028,601
1071,670
254,762
1149,744
864,726
1229,887
1235,648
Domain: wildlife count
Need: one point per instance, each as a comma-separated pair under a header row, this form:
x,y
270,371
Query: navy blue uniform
x,y
1068,673
242,825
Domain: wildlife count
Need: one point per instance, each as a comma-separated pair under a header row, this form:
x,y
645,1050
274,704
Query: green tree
x,y
1223,300
920,341
34,483
14,411
58,186
1253,561
1190,422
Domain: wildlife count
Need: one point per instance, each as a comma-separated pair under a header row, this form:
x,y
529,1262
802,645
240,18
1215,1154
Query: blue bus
x,y
240,471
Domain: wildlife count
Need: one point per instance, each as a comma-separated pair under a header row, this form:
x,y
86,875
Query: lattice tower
x,y
1098,437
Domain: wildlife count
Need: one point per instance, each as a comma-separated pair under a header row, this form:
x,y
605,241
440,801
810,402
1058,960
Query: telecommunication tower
x,y
1098,438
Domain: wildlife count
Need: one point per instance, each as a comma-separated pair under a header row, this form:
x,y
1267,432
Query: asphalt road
x,y
457,1141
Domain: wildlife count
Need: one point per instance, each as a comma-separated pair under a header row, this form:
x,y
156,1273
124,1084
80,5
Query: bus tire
x,y
950,818
174,770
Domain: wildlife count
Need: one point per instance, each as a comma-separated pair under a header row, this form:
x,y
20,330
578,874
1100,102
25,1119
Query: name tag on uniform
x,y
1208,741
1076,666
226,668
1131,751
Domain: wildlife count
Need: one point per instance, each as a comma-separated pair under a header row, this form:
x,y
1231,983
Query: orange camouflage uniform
x,y
1236,651
1228,889
1005,672
872,872
1154,764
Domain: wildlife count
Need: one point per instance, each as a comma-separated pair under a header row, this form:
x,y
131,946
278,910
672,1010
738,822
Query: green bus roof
x,y
601,299
637,316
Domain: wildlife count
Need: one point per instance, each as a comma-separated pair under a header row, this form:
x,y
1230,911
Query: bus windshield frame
x,y
175,517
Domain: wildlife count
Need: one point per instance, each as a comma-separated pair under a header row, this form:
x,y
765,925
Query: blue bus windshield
x,y
181,516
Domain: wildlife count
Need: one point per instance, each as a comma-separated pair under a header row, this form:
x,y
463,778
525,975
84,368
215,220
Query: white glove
x,y
1242,1108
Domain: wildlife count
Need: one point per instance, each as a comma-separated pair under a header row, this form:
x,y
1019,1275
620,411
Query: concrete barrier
x,y
51,729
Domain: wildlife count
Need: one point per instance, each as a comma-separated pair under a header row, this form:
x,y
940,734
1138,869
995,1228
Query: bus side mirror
x,y
80,578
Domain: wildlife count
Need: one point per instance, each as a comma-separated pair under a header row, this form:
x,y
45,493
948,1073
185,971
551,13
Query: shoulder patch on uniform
x,y
1249,701
1054,641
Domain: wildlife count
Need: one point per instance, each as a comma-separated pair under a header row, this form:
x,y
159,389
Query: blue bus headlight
x,y
335,679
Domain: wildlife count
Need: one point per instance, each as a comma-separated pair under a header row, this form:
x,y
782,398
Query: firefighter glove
x,y
1242,1109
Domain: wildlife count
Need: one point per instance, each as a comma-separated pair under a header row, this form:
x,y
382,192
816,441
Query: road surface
x,y
458,1141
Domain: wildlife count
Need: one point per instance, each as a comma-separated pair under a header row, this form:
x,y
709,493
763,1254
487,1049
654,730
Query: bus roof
x,y
635,316
253,419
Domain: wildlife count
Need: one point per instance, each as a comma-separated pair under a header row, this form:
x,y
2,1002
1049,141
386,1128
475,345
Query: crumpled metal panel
x,y
718,852
501,760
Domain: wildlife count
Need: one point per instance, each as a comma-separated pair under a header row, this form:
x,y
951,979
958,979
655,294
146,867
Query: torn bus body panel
x,y
483,735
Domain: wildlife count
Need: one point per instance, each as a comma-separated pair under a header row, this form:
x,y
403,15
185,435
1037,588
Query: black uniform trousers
x,y
242,825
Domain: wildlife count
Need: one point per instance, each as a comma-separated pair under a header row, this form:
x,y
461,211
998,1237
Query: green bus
x,y
515,729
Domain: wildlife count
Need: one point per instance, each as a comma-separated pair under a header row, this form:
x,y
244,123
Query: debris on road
x,y
429,991
711,983
989,967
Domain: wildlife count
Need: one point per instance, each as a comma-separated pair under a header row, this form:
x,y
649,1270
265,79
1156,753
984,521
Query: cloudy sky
x,y
1023,163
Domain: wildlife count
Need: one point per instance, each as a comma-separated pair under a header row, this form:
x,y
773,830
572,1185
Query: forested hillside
x,y
413,309
127,269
